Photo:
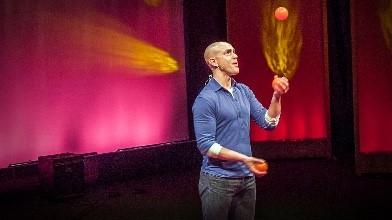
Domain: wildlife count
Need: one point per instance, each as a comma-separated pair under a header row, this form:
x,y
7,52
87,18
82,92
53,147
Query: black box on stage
x,y
61,175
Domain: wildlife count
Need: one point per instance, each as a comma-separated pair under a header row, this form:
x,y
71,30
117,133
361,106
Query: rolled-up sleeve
x,y
258,112
204,124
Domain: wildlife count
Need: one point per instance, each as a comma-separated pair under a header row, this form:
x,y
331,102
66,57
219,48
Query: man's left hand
x,y
280,85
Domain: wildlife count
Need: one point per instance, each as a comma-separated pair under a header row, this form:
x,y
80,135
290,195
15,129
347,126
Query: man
x,y
221,114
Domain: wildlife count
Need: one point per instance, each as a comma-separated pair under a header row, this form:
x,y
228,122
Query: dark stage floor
x,y
294,189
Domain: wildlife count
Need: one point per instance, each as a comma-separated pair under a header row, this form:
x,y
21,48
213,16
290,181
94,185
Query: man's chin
x,y
236,71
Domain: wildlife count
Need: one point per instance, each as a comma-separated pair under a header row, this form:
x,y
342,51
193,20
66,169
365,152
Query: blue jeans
x,y
227,198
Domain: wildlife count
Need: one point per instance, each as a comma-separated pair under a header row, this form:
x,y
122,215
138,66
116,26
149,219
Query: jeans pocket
x,y
222,186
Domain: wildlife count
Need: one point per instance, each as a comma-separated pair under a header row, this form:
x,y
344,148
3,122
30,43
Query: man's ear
x,y
212,62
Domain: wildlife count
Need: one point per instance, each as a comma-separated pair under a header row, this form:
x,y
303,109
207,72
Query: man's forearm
x,y
227,154
275,106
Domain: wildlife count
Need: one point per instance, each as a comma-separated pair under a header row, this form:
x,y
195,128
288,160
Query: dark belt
x,y
231,177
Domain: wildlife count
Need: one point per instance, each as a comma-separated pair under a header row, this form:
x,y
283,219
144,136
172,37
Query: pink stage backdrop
x,y
372,66
90,76
305,110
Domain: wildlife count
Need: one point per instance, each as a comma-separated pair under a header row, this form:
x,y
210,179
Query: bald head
x,y
221,58
212,50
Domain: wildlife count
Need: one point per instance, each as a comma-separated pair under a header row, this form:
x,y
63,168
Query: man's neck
x,y
223,79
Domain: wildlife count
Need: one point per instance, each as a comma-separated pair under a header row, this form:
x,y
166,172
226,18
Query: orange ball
x,y
276,86
281,13
262,167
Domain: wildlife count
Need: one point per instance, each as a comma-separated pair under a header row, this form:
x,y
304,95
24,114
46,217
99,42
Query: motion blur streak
x,y
109,42
385,15
281,40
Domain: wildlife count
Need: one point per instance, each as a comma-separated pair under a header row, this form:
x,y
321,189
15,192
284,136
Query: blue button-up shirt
x,y
224,118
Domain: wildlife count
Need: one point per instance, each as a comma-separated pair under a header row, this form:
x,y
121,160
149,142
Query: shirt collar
x,y
214,85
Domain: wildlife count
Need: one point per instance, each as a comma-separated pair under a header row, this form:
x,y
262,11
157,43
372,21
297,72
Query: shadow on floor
x,y
293,189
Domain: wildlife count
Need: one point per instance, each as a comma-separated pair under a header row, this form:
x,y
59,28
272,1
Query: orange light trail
x,y
153,3
385,15
108,42
281,40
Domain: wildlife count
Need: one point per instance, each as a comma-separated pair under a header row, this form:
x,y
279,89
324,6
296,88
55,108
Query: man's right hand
x,y
251,163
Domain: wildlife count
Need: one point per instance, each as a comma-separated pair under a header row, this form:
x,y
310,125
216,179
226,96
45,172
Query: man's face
x,y
227,59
